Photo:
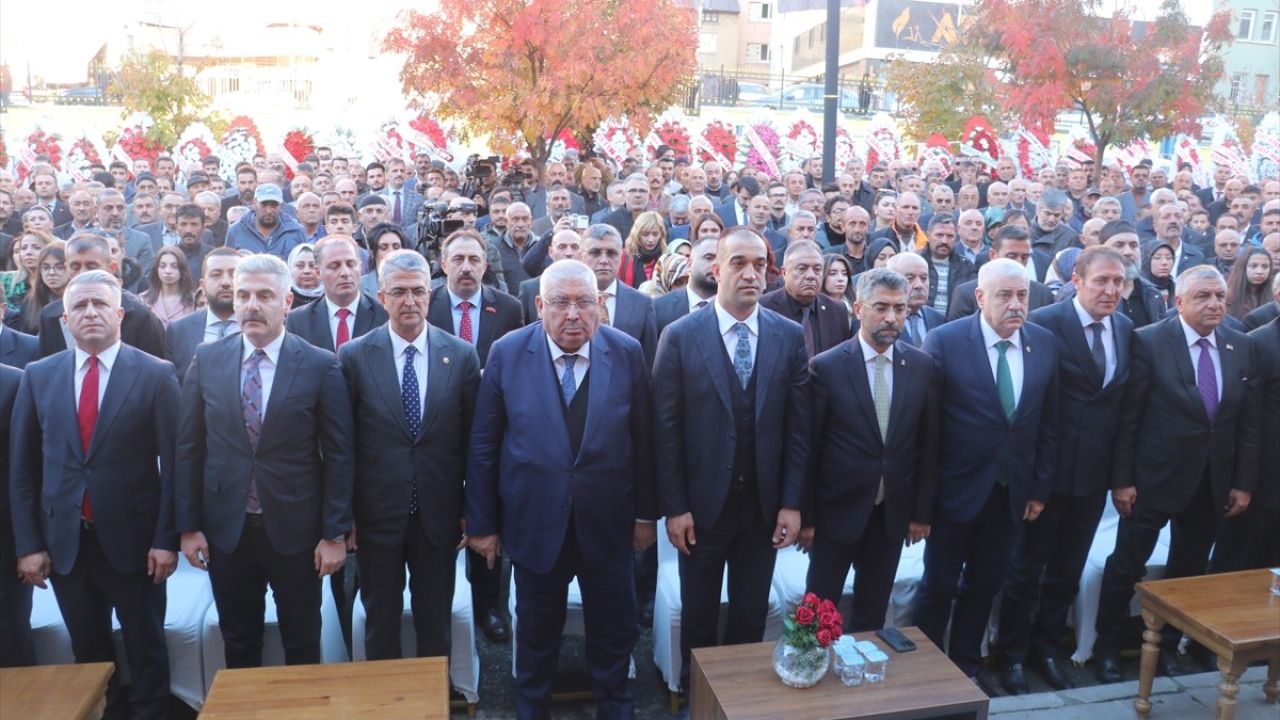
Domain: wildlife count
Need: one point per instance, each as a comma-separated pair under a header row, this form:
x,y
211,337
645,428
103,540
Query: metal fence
x,y
779,91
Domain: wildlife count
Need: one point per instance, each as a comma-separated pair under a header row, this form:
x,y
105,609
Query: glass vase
x,y
800,667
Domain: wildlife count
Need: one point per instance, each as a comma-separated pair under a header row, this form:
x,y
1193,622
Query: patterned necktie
x,y
1098,351
1004,380
395,211
344,330
701,304
880,393
604,309
87,414
742,354
412,412
1207,380
464,325
568,383
224,326
251,404
917,330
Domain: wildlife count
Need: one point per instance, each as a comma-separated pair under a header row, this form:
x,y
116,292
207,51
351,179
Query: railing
x,y
725,87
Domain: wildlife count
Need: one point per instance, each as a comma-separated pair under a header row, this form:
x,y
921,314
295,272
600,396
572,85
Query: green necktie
x,y
1004,380
880,394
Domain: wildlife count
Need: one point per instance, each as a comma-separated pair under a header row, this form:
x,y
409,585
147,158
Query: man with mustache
x,y
999,393
823,319
920,318
875,454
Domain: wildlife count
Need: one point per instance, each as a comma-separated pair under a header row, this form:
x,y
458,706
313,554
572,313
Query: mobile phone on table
x,y
894,638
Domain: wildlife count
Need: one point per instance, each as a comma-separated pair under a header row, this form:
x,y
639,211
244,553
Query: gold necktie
x,y
604,309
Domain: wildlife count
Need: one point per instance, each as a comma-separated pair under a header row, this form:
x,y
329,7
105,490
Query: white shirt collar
x,y
398,344
1086,319
272,349
612,290
211,320
333,309
727,321
1193,337
694,299
583,352
106,358
869,353
990,337
455,299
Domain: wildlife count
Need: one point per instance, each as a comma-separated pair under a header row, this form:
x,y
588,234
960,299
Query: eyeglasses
x,y
563,305
399,293
53,268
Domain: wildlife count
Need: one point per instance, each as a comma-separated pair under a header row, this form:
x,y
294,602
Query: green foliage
x,y
942,96
152,83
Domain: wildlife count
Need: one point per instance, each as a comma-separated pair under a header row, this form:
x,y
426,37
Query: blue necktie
x,y
568,383
412,412
742,354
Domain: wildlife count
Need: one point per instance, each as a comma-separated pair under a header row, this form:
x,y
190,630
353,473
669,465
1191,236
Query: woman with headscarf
x,y
672,272
307,287
680,246
1063,266
1157,269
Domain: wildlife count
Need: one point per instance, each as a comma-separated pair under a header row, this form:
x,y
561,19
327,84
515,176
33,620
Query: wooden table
x,y
1234,615
737,682
382,689
55,692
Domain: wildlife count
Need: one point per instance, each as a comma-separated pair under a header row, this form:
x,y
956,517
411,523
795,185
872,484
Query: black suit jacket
x,y
965,302
671,307
128,470
1260,316
304,464
1088,411
633,314
183,336
499,314
692,393
1266,342
311,321
833,318
850,457
10,379
1165,441
18,348
140,328
962,271
388,459
621,219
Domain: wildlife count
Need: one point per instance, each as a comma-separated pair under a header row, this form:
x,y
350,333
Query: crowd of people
x,y
360,370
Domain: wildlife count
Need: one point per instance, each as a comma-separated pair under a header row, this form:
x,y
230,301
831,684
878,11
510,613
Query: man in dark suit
x,y
875,428
1010,242
699,293
734,210
921,318
83,215
489,314
623,308
344,313
560,472
140,327
1093,343
999,422
563,245
1186,451
410,459
947,270
17,348
92,490
216,321
731,496
824,319
636,188
270,505
16,646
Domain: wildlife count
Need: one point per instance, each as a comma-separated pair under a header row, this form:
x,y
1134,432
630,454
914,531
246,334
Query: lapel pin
x,y
1028,348
445,360
491,309
1230,347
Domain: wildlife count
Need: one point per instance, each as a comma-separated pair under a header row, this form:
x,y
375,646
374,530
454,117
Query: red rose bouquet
x,y
195,143
134,141
675,135
814,622
424,134
43,143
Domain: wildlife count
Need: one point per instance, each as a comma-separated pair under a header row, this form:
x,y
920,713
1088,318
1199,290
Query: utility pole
x,y
831,102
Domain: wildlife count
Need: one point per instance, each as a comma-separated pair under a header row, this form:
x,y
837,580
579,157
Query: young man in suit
x,y
731,497
875,426
413,389
699,293
217,320
824,320
465,308
93,481
1012,243
559,472
1186,451
344,313
998,393
266,457
1093,343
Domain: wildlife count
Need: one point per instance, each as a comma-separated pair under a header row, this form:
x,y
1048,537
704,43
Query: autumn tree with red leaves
x,y
1129,80
522,71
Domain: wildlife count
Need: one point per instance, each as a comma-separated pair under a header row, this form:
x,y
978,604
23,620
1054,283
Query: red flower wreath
x,y
243,122
432,130
567,137
135,143
721,137
674,135
4,151
80,156
299,143
42,143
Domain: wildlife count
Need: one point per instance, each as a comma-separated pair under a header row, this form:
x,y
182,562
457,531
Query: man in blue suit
x,y
16,348
559,471
998,390
92,489
731,428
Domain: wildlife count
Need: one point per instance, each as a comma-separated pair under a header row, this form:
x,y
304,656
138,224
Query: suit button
x,y
87,471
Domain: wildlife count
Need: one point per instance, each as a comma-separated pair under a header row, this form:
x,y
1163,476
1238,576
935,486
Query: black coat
x,y
499,314
311,321
833,317
140,328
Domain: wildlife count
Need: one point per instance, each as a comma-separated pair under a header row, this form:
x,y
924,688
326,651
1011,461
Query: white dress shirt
x,y
1108,339
106,360
1192,338
1013,354
694,299
579,366
730,335
333,318
611,301
454,302
869,354
398,345
211,326
266,368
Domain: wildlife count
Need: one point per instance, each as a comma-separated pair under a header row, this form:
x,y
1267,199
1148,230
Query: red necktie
x,y
344,332
87,413
464,327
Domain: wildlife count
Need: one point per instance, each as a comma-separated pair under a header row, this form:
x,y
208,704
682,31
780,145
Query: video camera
x,y
437,221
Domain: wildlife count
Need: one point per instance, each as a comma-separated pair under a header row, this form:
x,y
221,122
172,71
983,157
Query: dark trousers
x,y
964,565
1056,546
874,557
16,646
1192,535
1249,540
86,597
741,538
344,583
646,576
240,580
486,584
383,557
609,615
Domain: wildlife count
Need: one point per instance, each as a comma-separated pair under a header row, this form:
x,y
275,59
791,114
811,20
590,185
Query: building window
x,y
707,43
811,36
1260,83
1267,30
1237,87
710,17
1244,31
757,52
760,11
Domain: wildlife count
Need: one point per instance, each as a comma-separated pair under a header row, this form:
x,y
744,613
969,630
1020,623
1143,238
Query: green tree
x,y
152,83
942,96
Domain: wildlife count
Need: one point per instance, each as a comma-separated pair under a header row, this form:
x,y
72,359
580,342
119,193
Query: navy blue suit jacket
x,y
132,493
523,481
978,440
693,416
17,348
633,314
